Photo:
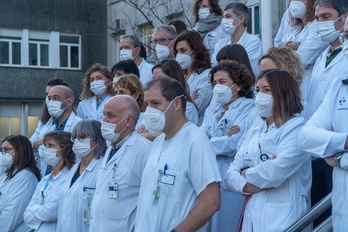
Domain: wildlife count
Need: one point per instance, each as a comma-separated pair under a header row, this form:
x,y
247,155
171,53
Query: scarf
x,y
208,24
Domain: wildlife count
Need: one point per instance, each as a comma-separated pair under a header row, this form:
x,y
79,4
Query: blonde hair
x,y
133,84
286,59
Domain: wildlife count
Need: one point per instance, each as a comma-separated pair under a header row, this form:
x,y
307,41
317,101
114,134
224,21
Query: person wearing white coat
x,y
223,123
269,168
208,15
17,183
42,211
236,16
60,100
283,29
122,165
325,136
194,59
303,38
77,192
179,189
97,89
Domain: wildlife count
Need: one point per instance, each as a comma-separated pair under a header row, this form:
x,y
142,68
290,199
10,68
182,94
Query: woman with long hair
x,y
42,211
269,168
18,182
194,59
208,16
97,89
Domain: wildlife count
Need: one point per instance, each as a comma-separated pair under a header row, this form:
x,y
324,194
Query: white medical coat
x,y
42,129
252,45
145,72
310,48
87,108
192,113
14,198
283,29
73,200
226,219
324,135
110,214
212,37
201,83
191,159
322,79
42,211
285,181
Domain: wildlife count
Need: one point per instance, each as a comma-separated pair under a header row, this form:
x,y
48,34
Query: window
x,y
38,53
147,37
10,50
37,49
254,23
69,47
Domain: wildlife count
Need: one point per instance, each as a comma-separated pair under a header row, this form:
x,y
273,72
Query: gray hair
x,y
92,128
170,30
240,9
136,41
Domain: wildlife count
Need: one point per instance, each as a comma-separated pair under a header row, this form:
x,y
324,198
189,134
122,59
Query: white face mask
x,y
203,13
327,31
227,25
98,87
154,119
162,51
297,9
126,54
222,94
264,104
108,131
82,149
184,60
55,108
50,156
345,48
6,160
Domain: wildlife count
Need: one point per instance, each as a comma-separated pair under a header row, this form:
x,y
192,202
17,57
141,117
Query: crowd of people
x,y
215,136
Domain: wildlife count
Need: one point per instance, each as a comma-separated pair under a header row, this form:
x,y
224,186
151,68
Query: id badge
x,y
87,211
213,34
113,188
167,179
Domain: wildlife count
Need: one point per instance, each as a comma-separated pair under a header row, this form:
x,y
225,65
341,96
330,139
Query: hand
x,y
233,130
38,143
195,96
293,45
330,160
243,173
273,157
142,130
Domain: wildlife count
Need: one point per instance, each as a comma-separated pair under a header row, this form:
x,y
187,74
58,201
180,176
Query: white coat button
x,y
248,216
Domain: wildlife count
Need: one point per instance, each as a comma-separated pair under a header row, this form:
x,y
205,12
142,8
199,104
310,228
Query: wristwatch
x,y
337,159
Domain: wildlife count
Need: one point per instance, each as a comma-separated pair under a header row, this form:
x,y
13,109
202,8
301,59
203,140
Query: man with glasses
x,y
162,40
59,101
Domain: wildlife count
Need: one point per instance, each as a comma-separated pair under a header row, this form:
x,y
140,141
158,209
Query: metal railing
x,y
311,215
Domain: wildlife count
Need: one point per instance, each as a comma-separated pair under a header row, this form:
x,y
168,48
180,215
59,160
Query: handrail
x,y
326,225
311,215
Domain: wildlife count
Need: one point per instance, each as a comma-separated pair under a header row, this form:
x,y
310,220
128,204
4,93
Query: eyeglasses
x,y
80,137
160,41
5,149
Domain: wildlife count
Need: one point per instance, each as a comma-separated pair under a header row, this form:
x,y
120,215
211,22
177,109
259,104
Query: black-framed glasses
x,y
160,41
80,137
5,149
